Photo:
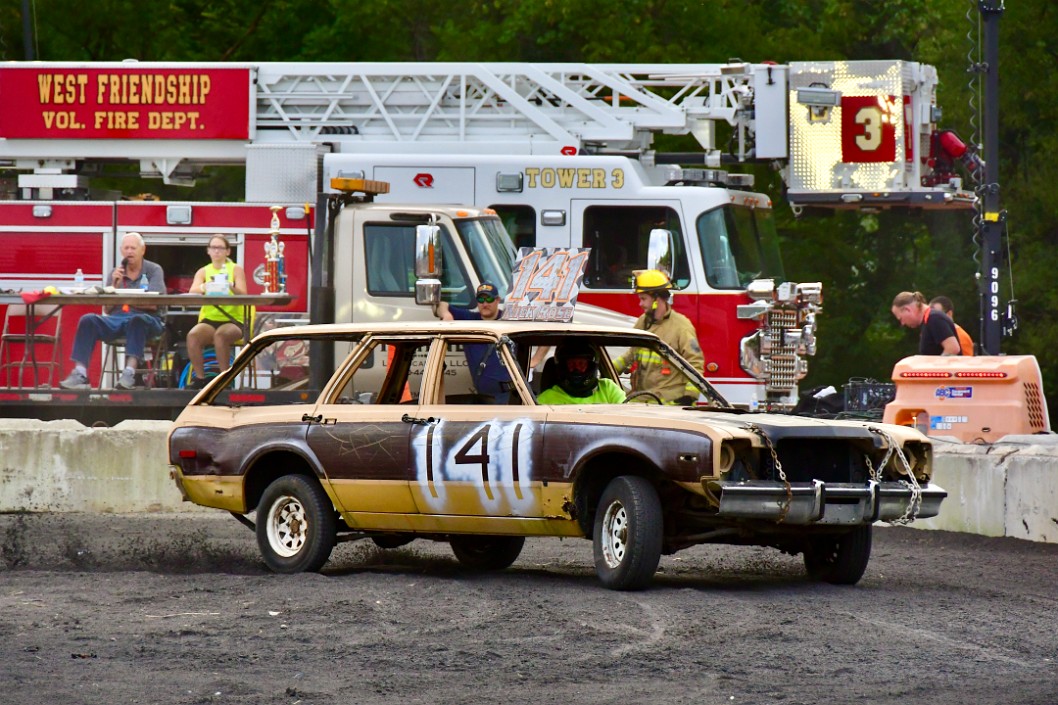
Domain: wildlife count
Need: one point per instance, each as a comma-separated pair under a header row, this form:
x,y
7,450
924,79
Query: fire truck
x,y
563,152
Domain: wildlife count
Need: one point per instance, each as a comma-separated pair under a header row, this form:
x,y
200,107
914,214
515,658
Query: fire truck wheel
x,y
296,526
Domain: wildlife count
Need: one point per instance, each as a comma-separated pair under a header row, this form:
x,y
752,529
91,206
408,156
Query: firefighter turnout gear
x,y
652,373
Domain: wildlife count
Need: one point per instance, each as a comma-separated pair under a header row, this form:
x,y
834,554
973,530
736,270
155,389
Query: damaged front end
x,y
852,475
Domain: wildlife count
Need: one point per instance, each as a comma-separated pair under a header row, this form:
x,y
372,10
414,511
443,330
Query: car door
x,y
360,430
472,457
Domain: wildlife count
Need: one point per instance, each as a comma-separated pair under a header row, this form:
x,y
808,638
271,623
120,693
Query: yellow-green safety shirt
x,y
227,314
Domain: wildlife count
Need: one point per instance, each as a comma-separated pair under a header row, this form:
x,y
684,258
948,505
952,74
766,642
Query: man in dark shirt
x,y
490,376
937,335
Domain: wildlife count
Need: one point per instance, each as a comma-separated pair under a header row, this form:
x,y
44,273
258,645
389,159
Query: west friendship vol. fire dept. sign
x,y
125,103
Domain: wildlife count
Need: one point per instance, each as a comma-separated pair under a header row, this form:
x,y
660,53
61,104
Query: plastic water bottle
x,y
78,279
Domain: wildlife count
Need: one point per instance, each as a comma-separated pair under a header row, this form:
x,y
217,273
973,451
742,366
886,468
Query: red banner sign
x,y
125,103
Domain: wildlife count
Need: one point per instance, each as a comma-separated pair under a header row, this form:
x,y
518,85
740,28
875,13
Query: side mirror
x,y
659,250
428,262
428,265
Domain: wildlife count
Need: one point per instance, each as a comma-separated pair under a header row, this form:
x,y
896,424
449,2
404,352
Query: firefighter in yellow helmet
x,y
651,372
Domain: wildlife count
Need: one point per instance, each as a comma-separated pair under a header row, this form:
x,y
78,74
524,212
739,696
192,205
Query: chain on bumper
x,y
833,503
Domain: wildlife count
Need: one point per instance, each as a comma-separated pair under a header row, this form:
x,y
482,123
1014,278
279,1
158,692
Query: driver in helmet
x,y
578,378
652,372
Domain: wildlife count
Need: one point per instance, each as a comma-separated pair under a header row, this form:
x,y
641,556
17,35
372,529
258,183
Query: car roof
x,y
500,327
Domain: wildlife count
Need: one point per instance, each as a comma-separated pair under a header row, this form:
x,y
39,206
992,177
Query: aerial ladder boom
x,y
528,108
797,115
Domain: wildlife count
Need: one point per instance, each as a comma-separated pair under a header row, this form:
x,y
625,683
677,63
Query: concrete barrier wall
x,y
1008,488
62,466
1005,489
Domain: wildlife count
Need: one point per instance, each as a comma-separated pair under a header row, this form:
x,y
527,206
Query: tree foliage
x,y
862,259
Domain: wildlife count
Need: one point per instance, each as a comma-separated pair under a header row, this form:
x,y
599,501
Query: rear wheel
x,y
296,526
840,559
487,552
627,535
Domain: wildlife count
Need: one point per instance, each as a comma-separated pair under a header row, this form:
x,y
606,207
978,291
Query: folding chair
x,y
44,331
154,370
248,379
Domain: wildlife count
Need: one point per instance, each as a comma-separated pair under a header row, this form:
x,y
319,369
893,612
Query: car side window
x,y
476,373
390,372
278,371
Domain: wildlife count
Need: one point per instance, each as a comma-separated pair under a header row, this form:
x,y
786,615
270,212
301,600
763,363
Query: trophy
x,y
275,272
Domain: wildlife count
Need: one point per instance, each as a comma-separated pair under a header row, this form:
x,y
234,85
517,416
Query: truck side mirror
x,y
660,247
428,265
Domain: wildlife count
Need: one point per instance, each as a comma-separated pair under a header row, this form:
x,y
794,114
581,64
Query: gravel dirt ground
x,y
180,609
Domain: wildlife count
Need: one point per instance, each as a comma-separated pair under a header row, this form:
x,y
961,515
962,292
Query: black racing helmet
x,y
578,369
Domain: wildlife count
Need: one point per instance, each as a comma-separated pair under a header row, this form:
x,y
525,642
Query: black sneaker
x,y
197,383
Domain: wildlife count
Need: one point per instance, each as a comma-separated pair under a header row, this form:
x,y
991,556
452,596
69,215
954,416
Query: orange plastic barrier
x,y
974,399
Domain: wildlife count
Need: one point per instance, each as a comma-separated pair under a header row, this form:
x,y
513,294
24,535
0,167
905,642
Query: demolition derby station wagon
x,y
335,432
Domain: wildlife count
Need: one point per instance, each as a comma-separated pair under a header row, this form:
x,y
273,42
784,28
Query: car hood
x,y
731,424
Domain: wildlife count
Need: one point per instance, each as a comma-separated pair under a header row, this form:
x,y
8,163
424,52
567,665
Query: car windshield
x,y
627,360
739,244
490,250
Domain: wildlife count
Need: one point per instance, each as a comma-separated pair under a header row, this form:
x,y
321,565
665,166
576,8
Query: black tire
x,y
628,534
392,540
840,559
487,552
296,525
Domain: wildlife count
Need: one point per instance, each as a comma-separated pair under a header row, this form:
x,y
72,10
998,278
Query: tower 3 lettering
x,y
569,177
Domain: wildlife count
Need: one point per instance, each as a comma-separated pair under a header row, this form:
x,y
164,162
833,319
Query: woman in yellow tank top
x,y
218,325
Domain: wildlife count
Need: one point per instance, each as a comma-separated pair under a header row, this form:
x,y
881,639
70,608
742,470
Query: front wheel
x,y
627,535
296,526
839,559
487,552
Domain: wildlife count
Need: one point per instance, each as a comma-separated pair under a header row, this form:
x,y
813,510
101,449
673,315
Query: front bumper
x,y
818,503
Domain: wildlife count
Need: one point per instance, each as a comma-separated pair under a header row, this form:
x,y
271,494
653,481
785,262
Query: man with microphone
x,y
137,324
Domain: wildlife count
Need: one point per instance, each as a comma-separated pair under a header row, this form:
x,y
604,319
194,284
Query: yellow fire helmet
x,y
651,281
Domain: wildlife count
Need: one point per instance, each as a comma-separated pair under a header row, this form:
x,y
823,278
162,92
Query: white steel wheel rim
x,y
287,526
614,534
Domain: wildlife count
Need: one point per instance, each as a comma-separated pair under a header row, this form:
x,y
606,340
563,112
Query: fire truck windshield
x,y
490,250
739,244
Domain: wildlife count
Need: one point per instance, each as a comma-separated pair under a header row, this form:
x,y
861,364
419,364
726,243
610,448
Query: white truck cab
x,y
375,262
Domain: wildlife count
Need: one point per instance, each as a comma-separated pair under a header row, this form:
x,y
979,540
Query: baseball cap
x,y
488,289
